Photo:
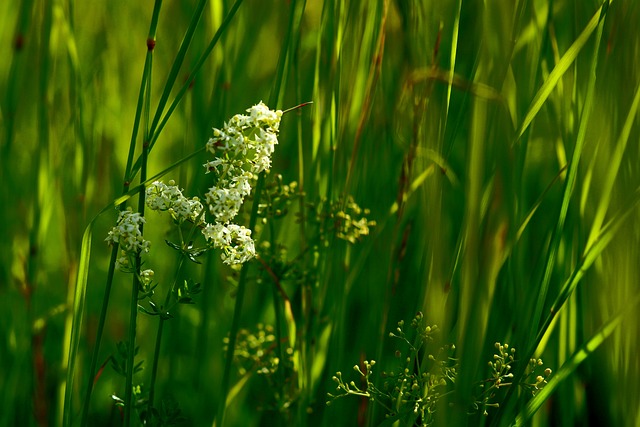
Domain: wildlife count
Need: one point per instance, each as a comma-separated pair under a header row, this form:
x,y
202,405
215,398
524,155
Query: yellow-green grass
x,y
495,144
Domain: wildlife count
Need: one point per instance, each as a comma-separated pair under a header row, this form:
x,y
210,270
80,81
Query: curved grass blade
x,y
177,63
572,174
561,67
612,170
590,256
78,314
570,365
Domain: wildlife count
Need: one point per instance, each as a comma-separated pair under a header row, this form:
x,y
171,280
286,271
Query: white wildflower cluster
x,y
243,149
127,234
162,197
234,240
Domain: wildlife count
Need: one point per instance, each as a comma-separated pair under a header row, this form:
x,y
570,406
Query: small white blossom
x,y
146,277
162,197
234,240
127,233
243,149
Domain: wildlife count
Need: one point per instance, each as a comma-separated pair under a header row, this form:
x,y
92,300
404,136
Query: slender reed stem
x,y
235,322
114,254
133,317
156,352
131,350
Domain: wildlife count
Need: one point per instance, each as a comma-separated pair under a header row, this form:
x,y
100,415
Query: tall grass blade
x,y
572,174
78,314
572,364
561,68
613,169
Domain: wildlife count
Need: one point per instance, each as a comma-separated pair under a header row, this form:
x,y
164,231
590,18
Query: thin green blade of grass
x,y
371,83
78,314
561,68
143,100
219,419
572,174
556,237
452,57
474,292
131,169
536,205
155,130
591,255
177,62
572,364
612,170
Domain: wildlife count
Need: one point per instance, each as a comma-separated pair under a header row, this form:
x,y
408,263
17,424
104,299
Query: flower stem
x,y
235,323
131,351
156,352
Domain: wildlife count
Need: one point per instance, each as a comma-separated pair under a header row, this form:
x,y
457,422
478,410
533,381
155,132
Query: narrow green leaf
x,y
570,365
78,314
561,67
612,170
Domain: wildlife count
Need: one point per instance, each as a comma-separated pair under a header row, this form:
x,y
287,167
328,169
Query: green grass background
x,y
495,143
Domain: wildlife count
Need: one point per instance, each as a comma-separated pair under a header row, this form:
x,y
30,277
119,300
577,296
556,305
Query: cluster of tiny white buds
x,y
242,149
146,277
162,197
234,240
128,235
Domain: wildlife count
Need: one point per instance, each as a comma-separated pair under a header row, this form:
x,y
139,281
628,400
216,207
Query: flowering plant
x,y
242,149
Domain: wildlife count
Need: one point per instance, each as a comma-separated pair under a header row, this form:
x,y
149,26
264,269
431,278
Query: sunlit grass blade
x,y
569,367
561,67
377,53
612,169
452,56
224,26
572,174
76,326
590,256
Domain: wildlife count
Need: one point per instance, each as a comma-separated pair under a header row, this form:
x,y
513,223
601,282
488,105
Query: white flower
x,y
146,277
234,240
243,148
127,233
162,197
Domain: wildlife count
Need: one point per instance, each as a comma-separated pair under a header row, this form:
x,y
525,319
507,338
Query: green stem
x,y
133,317
235,322
159,125
154,368
114,254
156,352
131,351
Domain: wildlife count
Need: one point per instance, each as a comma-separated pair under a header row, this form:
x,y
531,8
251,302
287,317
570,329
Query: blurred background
x,y
456,124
